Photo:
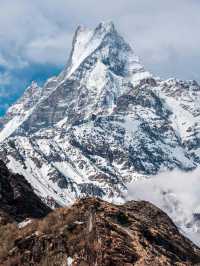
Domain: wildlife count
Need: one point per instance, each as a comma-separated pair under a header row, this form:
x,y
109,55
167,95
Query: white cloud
x,y
177,193
48,49
3,62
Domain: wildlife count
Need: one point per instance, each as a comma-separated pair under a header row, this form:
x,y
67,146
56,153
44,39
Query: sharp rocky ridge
x,y
103,122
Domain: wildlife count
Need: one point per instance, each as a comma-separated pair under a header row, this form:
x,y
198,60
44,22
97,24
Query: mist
x,y
177,194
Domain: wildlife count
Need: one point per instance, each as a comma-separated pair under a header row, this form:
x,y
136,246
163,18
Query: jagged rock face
x,y
103,122
19,112
94,232
17,198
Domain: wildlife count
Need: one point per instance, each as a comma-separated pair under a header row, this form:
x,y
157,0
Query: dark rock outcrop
x,y
94,232
17,198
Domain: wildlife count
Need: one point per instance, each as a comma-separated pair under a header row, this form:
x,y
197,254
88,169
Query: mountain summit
x,y
99,63
103,122
105,41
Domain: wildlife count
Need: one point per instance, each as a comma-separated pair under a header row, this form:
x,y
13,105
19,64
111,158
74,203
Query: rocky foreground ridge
x,y
94,232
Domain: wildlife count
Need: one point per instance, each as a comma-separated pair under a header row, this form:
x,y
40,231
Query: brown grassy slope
x,y
94,232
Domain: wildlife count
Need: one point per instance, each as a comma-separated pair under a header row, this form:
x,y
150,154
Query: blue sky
x,y
21,78
35,37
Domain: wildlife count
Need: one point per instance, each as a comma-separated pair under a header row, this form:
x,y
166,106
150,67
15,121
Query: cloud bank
x,y
176,193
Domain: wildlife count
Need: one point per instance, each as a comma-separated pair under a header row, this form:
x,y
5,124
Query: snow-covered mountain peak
x,y
101,30
103,122
34,84
84,34
85,42
30,97
20,111
107,26
32,90
106,45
